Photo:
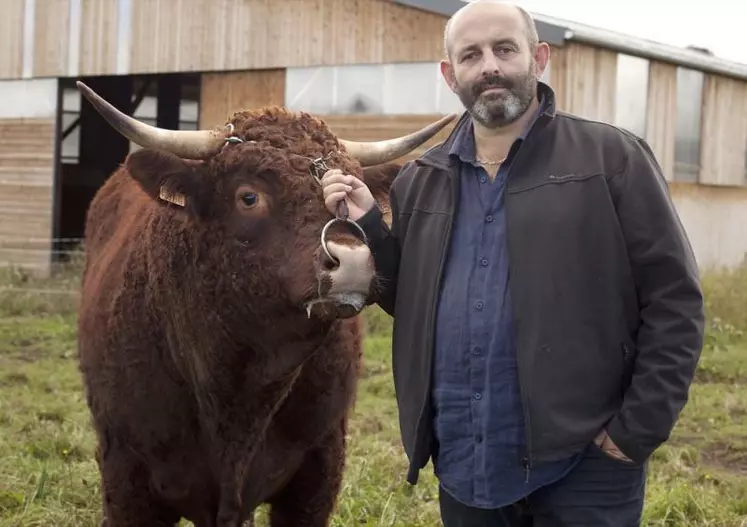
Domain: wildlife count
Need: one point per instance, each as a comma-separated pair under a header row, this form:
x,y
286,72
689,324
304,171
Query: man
x,y
548,313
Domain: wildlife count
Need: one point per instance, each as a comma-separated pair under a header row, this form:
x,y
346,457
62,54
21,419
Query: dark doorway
x,y
90,150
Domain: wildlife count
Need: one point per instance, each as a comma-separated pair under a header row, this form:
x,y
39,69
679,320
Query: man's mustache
x,y
492,81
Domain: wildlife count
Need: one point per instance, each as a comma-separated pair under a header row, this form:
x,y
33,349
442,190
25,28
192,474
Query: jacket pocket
x,y
555,179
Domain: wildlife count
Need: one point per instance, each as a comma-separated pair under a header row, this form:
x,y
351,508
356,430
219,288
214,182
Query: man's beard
x,y
493,110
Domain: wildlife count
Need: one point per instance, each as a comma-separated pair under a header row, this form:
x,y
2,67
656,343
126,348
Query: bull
x,y
218,334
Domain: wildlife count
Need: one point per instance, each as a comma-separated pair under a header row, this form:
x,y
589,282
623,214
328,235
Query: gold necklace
x,y
486,162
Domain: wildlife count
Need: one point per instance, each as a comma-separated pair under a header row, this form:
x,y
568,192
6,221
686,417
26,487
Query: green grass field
x,y
48,476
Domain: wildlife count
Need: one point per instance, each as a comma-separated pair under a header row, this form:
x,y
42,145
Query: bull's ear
x,y
166,178
378,179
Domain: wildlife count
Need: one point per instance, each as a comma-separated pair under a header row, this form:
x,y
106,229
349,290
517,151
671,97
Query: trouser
x,y
600,491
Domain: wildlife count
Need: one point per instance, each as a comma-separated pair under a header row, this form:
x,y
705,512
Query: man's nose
x,y
490,64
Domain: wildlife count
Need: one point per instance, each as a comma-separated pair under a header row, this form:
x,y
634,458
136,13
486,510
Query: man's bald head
x,y
478,7
493,61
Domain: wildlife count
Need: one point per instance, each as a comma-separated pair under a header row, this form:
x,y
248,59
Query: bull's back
x,y
115,253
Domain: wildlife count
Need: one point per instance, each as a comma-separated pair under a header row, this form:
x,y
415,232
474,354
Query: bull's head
x,y
247,196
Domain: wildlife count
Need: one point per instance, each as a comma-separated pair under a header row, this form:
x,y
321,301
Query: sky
x,y
719,25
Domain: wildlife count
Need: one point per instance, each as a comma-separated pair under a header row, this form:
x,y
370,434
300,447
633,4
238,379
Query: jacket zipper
x,y
526,460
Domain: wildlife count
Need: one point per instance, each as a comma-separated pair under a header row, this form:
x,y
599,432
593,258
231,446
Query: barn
x,y
368,67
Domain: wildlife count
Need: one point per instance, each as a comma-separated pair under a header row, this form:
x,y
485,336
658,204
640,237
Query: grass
x,y
48,476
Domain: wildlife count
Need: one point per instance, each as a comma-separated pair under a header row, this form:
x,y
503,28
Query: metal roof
x,y
556,31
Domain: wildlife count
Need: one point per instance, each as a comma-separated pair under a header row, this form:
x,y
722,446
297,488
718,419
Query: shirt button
x,y
478,305
488,218
477,350
483,179
478,396
484,262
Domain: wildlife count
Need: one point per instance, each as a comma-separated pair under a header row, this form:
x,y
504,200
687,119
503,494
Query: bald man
x,y
548,313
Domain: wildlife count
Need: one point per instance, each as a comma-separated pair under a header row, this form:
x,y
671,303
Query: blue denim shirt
x,y
479,423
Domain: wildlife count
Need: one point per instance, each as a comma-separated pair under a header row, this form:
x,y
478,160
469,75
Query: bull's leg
x,y
125,492
310,497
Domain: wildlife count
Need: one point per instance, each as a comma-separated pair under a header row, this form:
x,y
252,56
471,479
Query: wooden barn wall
x,y
714,217
98,43
583,78
101,37
51,38
27,171
222,94
724,132
661,114
11,39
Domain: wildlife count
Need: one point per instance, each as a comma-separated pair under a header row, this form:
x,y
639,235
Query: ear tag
x,y
176,199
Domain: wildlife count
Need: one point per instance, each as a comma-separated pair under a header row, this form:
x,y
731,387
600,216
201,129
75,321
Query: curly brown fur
x,y
211,390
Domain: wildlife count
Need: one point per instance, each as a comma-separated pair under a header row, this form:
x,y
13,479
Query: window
x,y
687,125
631,93
379,89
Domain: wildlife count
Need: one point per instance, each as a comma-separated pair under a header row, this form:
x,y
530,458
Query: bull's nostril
x,y
330,265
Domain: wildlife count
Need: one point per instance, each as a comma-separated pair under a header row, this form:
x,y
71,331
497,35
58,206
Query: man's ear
x,y
166,178
379,179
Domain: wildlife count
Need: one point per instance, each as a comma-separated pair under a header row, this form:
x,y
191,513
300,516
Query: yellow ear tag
x,y
176,199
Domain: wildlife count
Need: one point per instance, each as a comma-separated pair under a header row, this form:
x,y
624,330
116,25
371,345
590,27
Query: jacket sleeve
x,y
385,247
670,336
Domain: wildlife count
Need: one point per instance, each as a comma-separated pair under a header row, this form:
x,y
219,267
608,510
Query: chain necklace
x,y
486,162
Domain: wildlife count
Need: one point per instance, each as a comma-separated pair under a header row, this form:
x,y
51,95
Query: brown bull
x,y
218,340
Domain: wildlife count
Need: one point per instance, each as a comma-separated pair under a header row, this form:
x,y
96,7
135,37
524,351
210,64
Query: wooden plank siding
x,y
163,36
661,114
98,37
26,191
583,78
51,37
724,132
11,39
209,35
222,94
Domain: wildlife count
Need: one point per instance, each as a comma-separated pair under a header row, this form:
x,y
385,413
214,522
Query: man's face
x,y
492,68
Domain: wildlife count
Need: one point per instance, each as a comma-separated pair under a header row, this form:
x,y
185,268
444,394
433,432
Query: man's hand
x,y
604,442
337,186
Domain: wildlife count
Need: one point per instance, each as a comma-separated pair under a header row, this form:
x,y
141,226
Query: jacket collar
x,y
439,157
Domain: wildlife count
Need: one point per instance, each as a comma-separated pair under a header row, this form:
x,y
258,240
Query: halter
x,y
317,168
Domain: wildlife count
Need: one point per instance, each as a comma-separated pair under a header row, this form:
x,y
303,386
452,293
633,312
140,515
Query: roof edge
x,y
556,31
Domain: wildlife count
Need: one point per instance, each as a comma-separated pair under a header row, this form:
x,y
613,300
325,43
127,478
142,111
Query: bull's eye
x,y
249,199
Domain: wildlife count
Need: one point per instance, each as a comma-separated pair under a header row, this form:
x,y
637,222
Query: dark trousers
x,y
600,491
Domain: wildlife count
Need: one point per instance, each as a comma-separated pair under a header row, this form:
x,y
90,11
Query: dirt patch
x,y
28,354
725,457
14,379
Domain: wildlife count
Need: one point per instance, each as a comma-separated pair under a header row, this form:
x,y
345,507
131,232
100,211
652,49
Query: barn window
x,y
688,123
375,89
411,88
359,89
631,93
311,90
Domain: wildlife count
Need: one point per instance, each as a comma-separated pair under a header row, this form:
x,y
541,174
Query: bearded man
x,y
548,316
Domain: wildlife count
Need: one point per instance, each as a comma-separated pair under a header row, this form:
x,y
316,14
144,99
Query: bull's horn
x,y
377,152
189,144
